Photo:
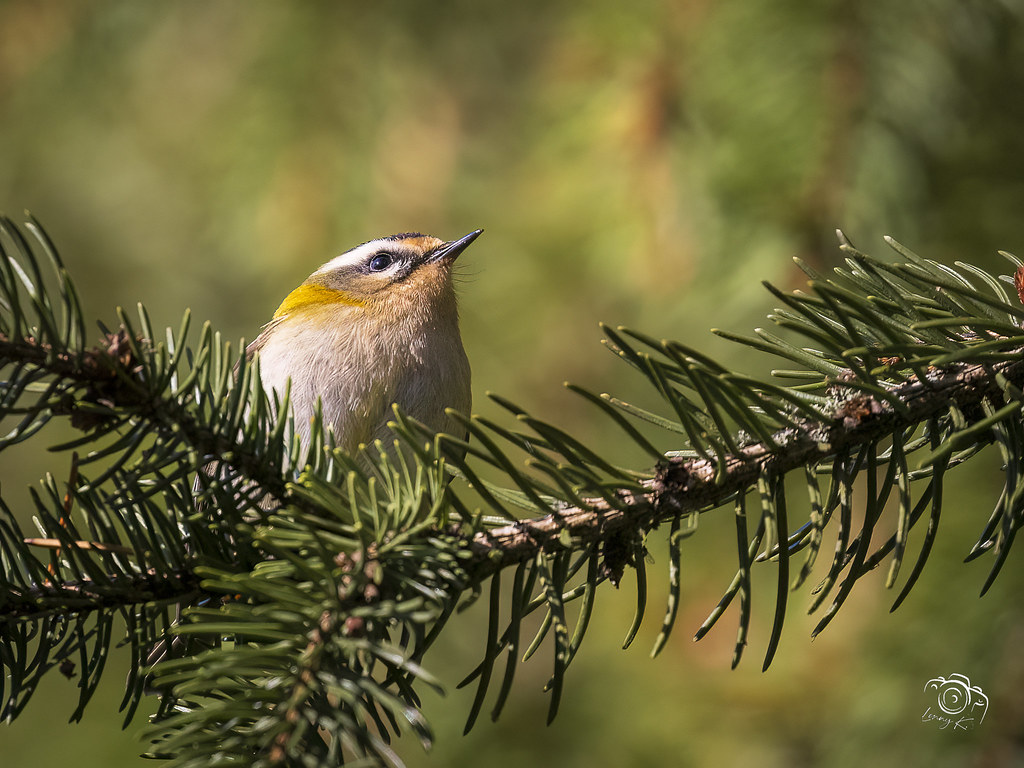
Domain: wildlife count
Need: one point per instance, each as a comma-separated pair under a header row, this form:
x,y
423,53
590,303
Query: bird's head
x,y
388,278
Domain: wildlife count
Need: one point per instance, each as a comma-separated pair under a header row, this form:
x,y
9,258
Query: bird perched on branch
x,y
374,326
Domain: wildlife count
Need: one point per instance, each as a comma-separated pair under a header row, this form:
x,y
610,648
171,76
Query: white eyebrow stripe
x,y
357,255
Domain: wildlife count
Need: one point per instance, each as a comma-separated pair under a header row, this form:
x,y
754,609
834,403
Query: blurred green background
x,y
645,164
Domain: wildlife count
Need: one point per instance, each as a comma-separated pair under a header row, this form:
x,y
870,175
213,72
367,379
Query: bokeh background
x,y
643,163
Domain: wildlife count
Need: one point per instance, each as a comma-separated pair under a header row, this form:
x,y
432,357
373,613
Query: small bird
x,y
375,326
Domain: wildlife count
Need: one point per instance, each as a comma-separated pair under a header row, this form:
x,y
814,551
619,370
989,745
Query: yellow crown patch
x,y
313,295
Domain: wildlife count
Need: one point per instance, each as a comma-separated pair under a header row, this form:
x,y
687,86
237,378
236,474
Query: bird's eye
x,y
381,261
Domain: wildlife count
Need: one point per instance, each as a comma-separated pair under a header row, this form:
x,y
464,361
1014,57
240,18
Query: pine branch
x,y
107,385
313,582
686,485
87,596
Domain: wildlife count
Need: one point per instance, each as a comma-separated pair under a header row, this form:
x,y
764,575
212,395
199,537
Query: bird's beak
x,y
450,251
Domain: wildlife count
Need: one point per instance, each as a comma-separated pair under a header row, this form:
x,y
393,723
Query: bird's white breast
x,y
356,376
